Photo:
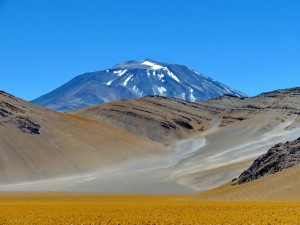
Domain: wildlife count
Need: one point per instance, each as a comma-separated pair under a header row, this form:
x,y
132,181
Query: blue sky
x,y
253,46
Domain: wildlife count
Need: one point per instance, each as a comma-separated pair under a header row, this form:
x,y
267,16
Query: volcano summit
x,y
133,79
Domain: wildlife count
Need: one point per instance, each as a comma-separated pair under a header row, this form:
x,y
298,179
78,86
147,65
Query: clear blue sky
x,y
253,46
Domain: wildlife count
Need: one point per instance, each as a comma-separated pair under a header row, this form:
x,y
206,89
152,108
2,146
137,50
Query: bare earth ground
x,y
196,165
55,208
282,186
274,199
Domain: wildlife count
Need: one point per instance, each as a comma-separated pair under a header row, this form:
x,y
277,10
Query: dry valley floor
x,y
75,209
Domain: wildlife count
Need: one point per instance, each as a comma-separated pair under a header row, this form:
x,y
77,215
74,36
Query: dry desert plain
x,y
55,208
262,201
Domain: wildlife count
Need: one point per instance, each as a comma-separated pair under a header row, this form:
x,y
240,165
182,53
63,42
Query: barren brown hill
x,y
158,118
167,119
40,144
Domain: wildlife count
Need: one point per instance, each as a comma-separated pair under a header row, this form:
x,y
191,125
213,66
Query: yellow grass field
x,y
75,209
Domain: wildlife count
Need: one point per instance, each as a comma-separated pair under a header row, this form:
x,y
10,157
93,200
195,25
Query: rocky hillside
x,y
278,158
38,144
16,116
168,119
157,118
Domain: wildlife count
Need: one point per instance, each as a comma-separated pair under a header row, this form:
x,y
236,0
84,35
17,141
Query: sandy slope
x,y
282,186
195,165
65,145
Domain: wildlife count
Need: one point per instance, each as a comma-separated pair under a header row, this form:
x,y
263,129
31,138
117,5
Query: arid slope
x,y
158,118
39,144
280,157
167,119
272,176
213,142
281,186
208,143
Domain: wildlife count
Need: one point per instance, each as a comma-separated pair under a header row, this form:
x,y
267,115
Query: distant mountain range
x,y
132,79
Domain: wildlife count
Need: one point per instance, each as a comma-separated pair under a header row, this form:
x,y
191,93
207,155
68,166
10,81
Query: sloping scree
x,y
27,126
278,158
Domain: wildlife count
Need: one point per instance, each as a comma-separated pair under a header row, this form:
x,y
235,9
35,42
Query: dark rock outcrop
x,y
26,125
278,158
16,115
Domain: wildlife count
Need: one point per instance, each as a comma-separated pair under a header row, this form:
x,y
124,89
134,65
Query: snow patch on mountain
x,y
172,75
192,97
137,91
127,79
160,76
120,72
152,65
162,90
110,82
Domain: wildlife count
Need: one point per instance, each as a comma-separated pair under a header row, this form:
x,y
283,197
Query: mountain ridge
x,y
131,80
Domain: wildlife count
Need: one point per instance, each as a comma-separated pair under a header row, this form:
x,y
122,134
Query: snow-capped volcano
x,y
133,79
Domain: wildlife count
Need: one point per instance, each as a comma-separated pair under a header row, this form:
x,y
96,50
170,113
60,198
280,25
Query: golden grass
x,y
95,209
